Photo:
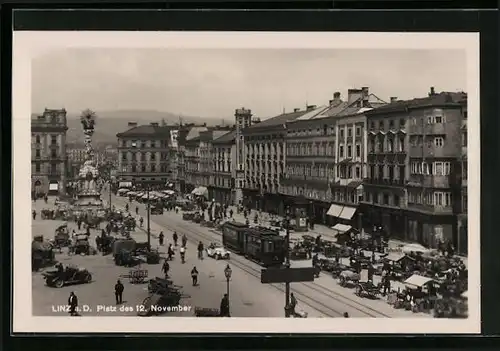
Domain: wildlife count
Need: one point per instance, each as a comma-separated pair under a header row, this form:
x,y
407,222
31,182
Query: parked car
x,y
217,251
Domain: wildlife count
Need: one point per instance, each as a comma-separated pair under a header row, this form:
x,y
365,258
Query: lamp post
x,y
287,262
227,272
148,209
109,189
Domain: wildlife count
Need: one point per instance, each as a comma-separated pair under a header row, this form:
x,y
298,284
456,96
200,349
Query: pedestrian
x,y
346,315
34,214
136,210
224,306
73,304
126,208
165,268
119,292
170,252
200,250
184,240
160,238
79,224
387,285
194,276
175,237
231,213
293,304
141,221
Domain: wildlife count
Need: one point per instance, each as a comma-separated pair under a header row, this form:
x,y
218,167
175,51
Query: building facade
x,y
144,154
462,245
414,177
191,158
223,181
264,168
48,152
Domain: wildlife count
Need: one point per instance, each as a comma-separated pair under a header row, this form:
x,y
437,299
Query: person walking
x,y
160,238
136,210
194,276
170,252
175,237
200,251
141,221
165,268
119,292
73,304
184,240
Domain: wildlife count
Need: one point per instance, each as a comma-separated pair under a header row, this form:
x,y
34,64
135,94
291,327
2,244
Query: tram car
x,y
261,245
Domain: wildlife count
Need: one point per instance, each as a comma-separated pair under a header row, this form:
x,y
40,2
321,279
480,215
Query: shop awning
x,y
341,228
417,280
53,186
200,191
347,212
334,210
125,184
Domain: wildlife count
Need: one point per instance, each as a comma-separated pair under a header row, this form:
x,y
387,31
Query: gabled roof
x,y
195,132
147,130
443,99
277,120
226,138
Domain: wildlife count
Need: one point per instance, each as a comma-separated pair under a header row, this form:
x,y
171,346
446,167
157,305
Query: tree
x,y
88,117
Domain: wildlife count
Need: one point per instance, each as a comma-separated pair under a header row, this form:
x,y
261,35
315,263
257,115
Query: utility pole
x,y
287,263
148,218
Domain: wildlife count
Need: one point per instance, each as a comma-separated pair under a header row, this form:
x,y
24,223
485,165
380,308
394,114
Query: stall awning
x,y
341,228
395,256
125,184
53,186
200,191
334,210
417,280
347,212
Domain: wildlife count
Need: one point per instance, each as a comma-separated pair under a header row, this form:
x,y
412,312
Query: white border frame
x,y
27,44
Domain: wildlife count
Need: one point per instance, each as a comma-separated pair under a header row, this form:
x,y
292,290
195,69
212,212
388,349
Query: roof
x,y
442,99
355,183
147,130
342,227
417,280
226,138
195,132
277,120
313,113
344,109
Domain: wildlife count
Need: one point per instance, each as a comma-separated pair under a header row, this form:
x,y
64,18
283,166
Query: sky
x,y
213,83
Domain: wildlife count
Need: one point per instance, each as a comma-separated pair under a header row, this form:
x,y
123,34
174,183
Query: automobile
x,y
157,210
68,275
217,251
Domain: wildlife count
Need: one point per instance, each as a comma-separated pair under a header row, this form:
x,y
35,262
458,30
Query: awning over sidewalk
x,y
347,212
341,228
200,191
334,210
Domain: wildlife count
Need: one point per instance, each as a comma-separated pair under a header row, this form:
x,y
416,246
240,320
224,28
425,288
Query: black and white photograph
x,y
277,182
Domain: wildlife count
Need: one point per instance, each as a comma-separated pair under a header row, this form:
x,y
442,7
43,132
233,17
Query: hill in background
x,y
109,123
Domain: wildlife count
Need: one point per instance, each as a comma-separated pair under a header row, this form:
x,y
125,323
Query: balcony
x,y
432,209
384,182
430,181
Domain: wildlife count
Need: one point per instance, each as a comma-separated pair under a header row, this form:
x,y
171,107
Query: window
x,y
391,124
37,138
124,156
53,153
386,199
349,151
358,131
341,151
37,167
442,199
53,139
372,125
143,144
438,119
390,145
341,132
372,171
37,153
349,172
349,132
430,120
153,156
375,198
153,168
134,169
380,172
143,168
439,141
401,144
358,172
142,156
396,201
358,150
53,168
133,143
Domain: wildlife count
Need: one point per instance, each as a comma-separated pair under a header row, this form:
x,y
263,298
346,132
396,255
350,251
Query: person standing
x,y
34,214
224,306
200,251
160,238
73,304
136,210
170,252
175,237
119,292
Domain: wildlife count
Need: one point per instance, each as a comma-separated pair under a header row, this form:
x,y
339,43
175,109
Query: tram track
x,y
301,295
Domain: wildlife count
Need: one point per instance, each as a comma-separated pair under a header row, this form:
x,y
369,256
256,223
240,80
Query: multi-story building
x,y
76,154
206,169
145,154
411,188
48,152
264,154
243,119
191,158
223,181
326,156
462,245
180,185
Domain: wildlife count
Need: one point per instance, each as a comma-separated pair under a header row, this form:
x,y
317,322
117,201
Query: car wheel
x,y
59,283
88,278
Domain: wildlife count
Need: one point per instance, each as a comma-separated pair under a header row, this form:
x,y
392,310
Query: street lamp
x,y
227,272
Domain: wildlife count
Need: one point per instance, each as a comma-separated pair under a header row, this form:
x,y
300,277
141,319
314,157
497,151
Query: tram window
x,y
268,246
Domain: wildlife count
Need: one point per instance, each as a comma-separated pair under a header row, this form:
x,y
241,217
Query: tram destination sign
x,y
287,275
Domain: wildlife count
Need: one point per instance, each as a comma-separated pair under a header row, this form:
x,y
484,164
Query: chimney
x,y
394,98
336,95
296,109
311,107
132,124
154,124
432,92
365,91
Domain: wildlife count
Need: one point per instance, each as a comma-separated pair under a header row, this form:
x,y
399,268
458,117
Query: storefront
x,y
340,213
430,229
221,195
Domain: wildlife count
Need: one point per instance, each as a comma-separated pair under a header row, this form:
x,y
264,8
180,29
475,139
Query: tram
x,y
261,245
